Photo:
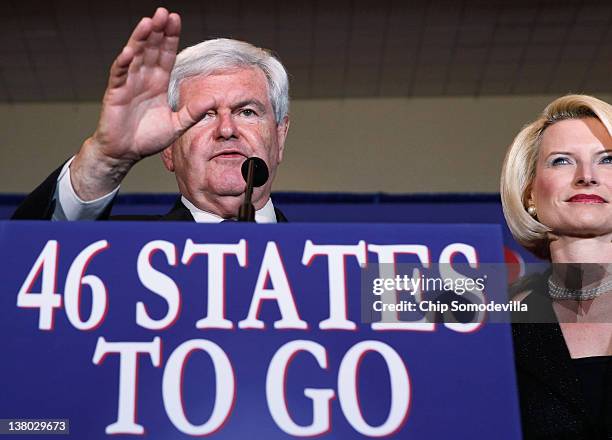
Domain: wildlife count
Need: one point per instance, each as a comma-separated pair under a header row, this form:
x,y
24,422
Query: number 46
x,y
47,300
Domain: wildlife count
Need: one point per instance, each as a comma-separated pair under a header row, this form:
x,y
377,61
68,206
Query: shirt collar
x,y
263,215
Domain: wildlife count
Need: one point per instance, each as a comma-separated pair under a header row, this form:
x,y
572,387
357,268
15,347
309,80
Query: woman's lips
x,y
586,198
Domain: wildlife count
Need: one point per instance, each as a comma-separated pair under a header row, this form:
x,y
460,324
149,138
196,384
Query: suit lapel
x,y
280,217
178,213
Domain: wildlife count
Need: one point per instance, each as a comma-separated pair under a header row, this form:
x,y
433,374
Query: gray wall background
x,y
394,145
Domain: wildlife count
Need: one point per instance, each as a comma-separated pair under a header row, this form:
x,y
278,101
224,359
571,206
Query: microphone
x,y
255,174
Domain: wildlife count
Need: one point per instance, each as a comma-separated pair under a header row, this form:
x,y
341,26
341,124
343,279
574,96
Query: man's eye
x,y
247,112
560,161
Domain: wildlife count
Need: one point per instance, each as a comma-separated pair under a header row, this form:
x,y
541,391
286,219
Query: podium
x,y
176,330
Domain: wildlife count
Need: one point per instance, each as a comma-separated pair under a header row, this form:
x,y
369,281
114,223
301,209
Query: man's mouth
x,y
229,154
586,198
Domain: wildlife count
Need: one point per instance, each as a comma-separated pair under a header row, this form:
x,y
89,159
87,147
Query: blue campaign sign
x,y
174,330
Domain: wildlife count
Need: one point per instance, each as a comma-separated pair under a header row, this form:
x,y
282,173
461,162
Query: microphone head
x,y
260,171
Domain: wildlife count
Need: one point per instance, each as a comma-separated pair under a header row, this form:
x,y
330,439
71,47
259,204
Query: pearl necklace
x,y
558,292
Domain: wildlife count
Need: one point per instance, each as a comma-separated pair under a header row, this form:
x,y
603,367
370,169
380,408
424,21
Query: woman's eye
x,y
560,161
606,159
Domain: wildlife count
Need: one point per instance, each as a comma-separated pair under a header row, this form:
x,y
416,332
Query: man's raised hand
x,y
136,120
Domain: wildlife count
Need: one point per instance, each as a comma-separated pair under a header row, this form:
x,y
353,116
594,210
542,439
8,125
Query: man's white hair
x,y
213,56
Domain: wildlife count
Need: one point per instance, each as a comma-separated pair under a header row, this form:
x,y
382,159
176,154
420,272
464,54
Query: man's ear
x,y
281,133
166,156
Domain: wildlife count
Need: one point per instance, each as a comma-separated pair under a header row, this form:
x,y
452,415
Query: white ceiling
x,y
60,50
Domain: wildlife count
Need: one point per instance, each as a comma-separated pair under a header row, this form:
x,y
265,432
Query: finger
x,y
171,42
138,40
120,67
140,34
159,19
153,49
173,26
191,113
155,38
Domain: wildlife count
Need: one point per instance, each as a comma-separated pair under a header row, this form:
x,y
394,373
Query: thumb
x,y
191,113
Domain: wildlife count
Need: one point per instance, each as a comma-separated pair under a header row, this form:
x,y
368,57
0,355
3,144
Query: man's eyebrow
x,y
254,102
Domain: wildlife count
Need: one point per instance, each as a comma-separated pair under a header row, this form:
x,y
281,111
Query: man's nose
x,y
226,127
586,174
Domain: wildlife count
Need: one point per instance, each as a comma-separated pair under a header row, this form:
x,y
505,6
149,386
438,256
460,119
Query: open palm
x,y
136,120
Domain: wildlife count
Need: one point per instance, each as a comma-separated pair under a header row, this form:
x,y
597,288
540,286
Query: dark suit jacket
x,y
550,394
39,205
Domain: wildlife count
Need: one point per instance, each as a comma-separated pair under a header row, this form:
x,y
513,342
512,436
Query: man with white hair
x,y
205,110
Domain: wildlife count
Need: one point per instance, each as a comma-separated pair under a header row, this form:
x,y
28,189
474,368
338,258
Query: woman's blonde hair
x,y
519,167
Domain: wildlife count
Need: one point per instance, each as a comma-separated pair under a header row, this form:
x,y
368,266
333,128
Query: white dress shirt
x,y
263,215
69,206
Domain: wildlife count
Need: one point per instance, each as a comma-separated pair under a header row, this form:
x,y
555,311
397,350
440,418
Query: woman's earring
x,y
532,210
